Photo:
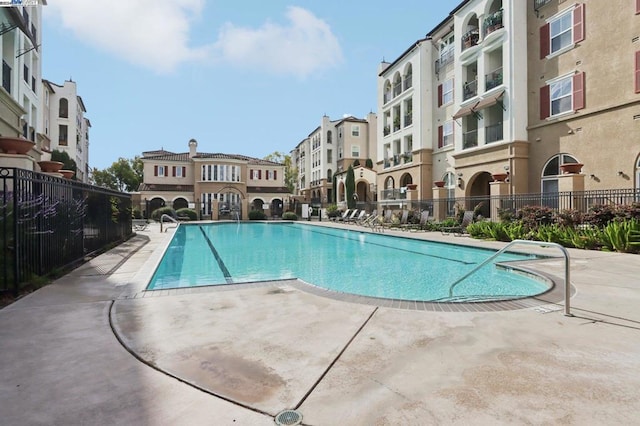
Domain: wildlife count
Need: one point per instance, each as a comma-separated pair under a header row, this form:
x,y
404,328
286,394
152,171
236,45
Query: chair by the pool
x,y
351,216
367,219
460,229
403,220
424,219
346,214
357,218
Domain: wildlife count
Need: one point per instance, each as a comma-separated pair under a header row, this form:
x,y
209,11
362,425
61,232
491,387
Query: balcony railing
x,y
386,130
408,157
537,4
493,132
493,79
445,59
396,124
397,88
387,163
469,90
386,97
408,119
492,22
470,139
6,76
471,38
408,81
393,194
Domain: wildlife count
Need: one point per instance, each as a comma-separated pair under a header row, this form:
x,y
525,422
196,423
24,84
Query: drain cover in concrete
x,y
288,417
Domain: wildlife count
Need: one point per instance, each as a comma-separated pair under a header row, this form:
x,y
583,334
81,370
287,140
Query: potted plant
x,y
439,183
571,168
499,177
15,145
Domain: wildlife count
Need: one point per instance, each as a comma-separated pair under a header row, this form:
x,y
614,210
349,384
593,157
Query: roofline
x,y
405,53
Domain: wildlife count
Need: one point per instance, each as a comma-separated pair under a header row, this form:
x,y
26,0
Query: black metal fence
x,y
48,223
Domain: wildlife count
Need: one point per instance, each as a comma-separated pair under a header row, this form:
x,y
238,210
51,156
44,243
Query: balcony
x,y
393,194
397,88
386,97
408,120
408,157
386,130
537,4
445,59
396,124
493,132
492,22
470,39
470,139
493,79
469,90
408,82
387,163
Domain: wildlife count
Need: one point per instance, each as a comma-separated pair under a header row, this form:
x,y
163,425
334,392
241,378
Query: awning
x,y
490,101
464,111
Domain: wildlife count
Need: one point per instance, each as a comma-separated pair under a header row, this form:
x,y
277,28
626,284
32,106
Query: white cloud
x,y
151,33
305,46
155,34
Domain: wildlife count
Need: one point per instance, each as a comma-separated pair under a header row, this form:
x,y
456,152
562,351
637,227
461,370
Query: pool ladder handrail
x,y
565,252
171,219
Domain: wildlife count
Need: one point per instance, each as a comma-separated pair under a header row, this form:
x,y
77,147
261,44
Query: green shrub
x,y
568,218
257,215
622,236
332,211
289,216
157,213
136,213
533,217
190,213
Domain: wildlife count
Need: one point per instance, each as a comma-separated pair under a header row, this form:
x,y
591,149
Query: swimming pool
x,y
342,260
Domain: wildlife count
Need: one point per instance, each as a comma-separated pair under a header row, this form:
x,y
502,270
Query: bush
x,y
332,211
257,215
289,216
568,218
190,213
157,213
532,217
136,213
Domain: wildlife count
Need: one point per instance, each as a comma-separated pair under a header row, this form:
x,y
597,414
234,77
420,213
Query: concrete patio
x,y
94,348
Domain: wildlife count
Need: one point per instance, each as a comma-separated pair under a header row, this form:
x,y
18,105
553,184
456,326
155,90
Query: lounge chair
x,y
346,214
139,224
460,229
403,220
357,218
424,219
351,216
365,221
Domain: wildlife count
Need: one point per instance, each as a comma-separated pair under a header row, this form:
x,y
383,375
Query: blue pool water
x,y
338,259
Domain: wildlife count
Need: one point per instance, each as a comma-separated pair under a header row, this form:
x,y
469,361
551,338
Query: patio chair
x,y
403,221
365,221
460,229
424,218
349,218
346,214
357,218
139,224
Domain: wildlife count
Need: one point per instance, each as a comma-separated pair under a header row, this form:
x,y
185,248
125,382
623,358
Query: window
x,y
179,171
159,171
329,156
63,108
25,73
562,95
562,31
355,151
445,92
355,130
62,135
254,175
550,174
445,134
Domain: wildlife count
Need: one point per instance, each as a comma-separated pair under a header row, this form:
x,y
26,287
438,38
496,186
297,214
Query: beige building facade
x,y
216,185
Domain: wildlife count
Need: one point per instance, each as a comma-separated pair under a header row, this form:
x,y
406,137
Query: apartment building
x,y
214,184
584,94
329,150
65,125
502,97
20,45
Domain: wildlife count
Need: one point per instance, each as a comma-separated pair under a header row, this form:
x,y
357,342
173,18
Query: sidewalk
x,y
93,348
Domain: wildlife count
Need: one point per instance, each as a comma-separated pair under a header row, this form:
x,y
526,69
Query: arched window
x,y
63,108
551,171
389,183
329,175
637,173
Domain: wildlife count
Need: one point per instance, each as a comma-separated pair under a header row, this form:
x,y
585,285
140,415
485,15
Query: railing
x,y
408,119
408,81
470,39
48,223
493,132
392,194
537,4
6,76
492,22
386,97
565,253
397,88
469,90
166,218
470,139
445,59
493,79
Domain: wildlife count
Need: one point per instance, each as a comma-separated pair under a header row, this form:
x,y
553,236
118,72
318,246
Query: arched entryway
x,y
154,204
276,207
180,203
479,194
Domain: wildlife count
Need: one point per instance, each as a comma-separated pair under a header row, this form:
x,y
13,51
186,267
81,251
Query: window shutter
x,y
155,170
637,7
259,174
275,175
184,171
545,99
440,136
545,42
637,74
174,171
251,174
578,23
439,95
578,91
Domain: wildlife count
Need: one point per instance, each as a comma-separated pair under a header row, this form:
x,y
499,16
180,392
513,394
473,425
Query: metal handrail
x,y
567,281
171,219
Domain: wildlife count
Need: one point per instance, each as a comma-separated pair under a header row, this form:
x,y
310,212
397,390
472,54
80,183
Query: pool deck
x,y
94,348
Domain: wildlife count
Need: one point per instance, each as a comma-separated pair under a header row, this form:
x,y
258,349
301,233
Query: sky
x,y
240,77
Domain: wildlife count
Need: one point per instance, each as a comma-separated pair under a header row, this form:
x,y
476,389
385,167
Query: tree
x,y
63,157
290,172
123,175
350,188
356,162
369,163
